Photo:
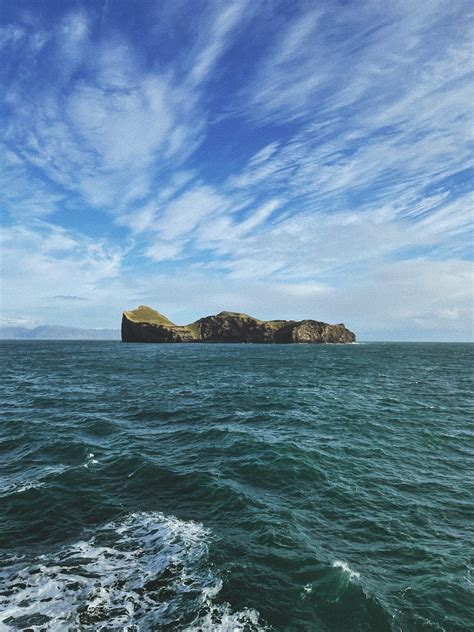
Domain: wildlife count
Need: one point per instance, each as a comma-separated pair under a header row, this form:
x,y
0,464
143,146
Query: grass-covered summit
x,y
144,324
144,314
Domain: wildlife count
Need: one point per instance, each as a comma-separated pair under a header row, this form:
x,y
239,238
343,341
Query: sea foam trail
x,y
146,570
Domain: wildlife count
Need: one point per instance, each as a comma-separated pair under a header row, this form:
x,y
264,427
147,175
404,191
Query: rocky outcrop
x,y
147,325
233,327
133,331
313,331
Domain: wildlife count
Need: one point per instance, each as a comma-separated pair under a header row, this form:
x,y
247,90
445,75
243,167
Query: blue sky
x,y
285,159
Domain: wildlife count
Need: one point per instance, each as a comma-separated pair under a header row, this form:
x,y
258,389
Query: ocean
x,y
236,487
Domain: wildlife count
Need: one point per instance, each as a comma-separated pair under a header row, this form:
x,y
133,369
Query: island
x,y
144,324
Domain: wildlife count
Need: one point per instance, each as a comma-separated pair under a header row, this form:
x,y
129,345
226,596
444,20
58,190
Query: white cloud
x,y
264,154
123,129
22,193
10,34
74,27
213,42
257,218
161,250
319,246
72,34
45,260
105,133
184,213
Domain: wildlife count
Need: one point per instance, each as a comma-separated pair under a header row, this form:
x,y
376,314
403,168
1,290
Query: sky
x,y
287,159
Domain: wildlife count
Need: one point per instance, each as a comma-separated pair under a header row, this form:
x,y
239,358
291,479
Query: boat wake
x,y
146,570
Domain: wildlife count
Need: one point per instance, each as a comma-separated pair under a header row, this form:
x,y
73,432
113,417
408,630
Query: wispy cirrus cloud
x,y
108,125
214,38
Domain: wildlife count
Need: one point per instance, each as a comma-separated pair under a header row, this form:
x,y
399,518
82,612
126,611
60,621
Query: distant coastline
x,y
57,332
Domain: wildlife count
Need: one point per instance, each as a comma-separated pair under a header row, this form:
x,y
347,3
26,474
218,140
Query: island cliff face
x,y
147,325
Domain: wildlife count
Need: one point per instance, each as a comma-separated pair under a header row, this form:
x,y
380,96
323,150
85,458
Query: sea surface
x,y
236,487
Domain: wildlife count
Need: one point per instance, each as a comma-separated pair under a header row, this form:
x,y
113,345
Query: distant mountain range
x,y
56,332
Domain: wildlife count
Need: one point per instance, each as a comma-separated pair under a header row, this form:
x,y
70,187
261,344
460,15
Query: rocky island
x,y
147,325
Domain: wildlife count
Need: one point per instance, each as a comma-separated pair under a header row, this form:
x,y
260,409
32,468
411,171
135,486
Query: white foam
x,y
131,575
219,618
11,487
345,567
90,460
31,485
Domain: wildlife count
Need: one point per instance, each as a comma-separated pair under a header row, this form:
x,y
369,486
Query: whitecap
x,y
345,567
30,485
90,460
220,618
11,487
145,570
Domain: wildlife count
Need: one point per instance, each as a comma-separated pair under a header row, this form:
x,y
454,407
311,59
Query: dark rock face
x,y
146,325
313,331
232,328
152,332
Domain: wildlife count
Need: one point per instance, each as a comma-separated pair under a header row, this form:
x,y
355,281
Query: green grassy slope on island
x,y
145,314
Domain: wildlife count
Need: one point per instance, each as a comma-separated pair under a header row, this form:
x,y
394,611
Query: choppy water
x,y
220,487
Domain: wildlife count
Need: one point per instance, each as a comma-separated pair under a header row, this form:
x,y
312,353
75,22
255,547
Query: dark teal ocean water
x,y
246,487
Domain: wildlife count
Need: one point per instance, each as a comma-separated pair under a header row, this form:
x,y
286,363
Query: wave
x,y
337,590
345,567
19,484
145,570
